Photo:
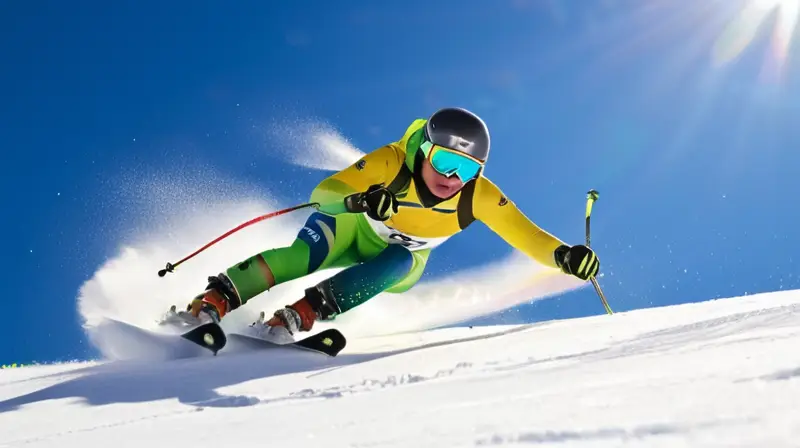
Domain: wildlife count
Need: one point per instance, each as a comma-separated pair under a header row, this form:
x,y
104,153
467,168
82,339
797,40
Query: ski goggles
x,y
450,162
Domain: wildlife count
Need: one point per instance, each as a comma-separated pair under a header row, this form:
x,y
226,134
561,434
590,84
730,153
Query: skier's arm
x,y
377,167
503,217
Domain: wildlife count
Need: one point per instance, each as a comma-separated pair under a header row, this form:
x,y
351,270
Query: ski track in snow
x,y
722,373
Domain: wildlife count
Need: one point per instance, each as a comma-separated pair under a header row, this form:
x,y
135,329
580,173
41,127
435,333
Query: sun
x,y
742,30
770,4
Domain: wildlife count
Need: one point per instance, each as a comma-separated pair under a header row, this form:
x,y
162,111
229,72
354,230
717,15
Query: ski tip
x,y
208,335
330,342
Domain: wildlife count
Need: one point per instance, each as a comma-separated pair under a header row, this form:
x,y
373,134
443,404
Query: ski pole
x,y
592,196
171,266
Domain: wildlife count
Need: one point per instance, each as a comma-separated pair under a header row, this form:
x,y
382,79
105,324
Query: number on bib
x,y
406,240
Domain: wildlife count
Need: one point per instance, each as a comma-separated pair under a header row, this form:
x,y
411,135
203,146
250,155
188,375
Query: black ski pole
x,y
592,196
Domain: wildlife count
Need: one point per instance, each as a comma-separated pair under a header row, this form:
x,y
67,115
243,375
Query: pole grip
x,y
591,196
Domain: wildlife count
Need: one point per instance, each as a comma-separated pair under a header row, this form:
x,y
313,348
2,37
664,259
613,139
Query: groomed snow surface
x,y
723,373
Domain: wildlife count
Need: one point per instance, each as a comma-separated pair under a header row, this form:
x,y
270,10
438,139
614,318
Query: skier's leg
x,y
357,284
325,241
394,269
413,276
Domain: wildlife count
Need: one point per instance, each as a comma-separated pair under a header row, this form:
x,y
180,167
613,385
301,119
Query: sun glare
x,y
743,29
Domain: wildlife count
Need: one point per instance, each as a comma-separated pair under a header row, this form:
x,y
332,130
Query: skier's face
x,y
438,184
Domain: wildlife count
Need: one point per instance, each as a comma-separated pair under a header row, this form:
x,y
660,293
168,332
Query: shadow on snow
x,y
193,381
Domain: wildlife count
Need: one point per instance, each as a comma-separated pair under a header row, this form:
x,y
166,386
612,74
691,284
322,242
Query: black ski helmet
x,y
459,129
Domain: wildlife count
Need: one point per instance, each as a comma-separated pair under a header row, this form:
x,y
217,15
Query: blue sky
x,y
695,159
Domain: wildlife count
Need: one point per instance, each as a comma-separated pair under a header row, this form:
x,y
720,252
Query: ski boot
x,y
212,305
284,324
300,316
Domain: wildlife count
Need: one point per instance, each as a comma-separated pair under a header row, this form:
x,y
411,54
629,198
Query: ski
x,y
327,342
209,335
121,340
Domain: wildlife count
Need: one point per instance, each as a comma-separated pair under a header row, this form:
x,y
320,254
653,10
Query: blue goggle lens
x,y
450,163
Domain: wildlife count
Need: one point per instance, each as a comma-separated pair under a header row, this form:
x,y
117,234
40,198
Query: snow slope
x,y
722,373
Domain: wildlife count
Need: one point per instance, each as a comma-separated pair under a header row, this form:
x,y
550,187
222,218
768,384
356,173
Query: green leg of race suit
x,y
341,241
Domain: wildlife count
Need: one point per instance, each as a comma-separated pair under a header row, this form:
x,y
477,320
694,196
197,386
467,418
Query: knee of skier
x,y
412,275
396,260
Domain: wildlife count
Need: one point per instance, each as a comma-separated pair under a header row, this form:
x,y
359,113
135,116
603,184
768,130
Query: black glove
x,y
580,261
377,202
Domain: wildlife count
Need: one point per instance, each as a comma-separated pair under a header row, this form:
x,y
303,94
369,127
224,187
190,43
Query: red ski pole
x,y
171,266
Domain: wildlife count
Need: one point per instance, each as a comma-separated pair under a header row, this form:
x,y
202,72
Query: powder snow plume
x,y
177,214
312,143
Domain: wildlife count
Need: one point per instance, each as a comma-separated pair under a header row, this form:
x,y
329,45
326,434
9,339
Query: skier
x,y
380,218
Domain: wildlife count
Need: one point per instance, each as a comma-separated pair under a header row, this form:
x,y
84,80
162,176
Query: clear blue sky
x,y
696,161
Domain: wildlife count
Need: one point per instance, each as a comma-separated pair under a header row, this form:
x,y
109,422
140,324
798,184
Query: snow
x,y
722,373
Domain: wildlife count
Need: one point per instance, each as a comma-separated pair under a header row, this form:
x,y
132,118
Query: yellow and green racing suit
x,y
385,256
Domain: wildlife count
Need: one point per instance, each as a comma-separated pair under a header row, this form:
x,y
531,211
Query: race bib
x,y
394,236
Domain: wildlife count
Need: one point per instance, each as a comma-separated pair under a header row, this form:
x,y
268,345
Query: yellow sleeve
x,y
504,218
379,166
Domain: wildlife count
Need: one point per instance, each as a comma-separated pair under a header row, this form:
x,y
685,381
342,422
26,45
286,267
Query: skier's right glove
x,y
377,202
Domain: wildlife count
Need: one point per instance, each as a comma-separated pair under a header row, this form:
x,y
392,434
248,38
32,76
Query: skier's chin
x,y
443,189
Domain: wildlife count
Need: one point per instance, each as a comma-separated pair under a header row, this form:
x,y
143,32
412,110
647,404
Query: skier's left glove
x,y
579,260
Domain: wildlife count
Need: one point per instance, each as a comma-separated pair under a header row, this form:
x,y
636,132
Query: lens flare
x,y
742,30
